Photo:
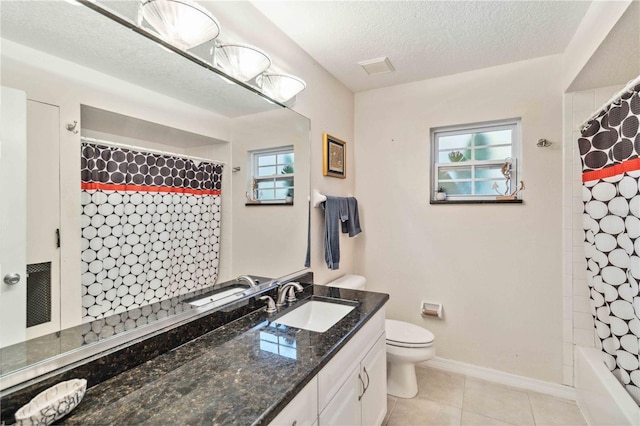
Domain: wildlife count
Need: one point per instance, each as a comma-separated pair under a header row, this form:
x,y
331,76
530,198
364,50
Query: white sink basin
x,y
315,316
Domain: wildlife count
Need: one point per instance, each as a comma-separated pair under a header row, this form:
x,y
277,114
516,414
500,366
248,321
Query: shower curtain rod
x,y
149,150
630,85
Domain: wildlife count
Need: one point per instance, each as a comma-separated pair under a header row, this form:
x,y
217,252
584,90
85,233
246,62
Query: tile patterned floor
x,y
452,399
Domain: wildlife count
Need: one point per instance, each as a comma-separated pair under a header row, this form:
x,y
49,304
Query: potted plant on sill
x,y
441,195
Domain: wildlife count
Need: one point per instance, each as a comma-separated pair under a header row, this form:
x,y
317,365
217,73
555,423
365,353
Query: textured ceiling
x,y
423,39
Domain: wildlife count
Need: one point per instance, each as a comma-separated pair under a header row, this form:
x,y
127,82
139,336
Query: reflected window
x,y
471,162
272,179
277,341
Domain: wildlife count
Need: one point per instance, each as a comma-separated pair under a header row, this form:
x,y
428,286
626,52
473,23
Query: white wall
x,y
496,268
599,20
269,240
326,101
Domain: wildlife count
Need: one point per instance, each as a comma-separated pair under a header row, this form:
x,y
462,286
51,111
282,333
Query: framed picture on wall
x,y
334,154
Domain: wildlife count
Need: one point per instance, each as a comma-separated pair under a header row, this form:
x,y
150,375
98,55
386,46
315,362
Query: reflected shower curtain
x,y
150,228
610,153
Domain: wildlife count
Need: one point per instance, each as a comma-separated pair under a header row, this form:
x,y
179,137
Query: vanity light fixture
x,y
240,61
281,87
182,23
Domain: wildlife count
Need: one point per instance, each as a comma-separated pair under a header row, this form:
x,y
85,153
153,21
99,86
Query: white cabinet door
x,y
374,371
13,209
302,410
43,201
344,408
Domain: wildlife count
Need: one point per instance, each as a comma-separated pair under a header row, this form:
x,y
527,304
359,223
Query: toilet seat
x,y
406,335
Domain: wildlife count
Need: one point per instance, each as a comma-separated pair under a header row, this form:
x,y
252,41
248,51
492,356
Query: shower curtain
x,y
610,153
150,228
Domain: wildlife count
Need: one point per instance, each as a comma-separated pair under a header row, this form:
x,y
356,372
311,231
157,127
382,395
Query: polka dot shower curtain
x,y
610,152
150,228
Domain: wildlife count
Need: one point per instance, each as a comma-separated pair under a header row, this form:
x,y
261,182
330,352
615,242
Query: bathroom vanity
x,y
255,371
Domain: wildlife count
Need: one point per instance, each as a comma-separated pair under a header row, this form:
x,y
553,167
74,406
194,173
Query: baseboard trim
x,y
508,379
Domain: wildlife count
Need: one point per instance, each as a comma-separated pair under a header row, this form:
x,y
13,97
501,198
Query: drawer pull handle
x,y
368,380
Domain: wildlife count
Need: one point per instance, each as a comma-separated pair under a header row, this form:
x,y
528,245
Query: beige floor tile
x,y
423,412
473,419
548,410
497,401
391,402
440,386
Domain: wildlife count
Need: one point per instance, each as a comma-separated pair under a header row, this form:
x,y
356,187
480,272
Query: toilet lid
x,y
400,333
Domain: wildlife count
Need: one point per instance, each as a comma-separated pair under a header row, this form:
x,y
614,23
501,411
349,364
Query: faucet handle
x,y
271,305
291,295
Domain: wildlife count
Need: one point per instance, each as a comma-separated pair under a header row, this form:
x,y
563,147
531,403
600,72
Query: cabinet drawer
x,y
334,374
302,410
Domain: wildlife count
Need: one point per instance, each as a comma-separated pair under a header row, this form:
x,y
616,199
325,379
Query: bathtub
x,y
601,398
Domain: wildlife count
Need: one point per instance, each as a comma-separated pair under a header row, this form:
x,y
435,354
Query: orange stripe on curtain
x,y
140,188
618,169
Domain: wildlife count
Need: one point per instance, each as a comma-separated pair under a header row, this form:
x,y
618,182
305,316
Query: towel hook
x,y
72,127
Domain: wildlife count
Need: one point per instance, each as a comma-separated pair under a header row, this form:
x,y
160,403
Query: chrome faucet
x,y
248,279
289,288
271,307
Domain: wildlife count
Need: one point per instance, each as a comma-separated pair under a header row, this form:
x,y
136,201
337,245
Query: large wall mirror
x,y
88,90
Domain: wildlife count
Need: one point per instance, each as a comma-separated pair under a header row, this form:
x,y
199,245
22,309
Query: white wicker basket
x,y
52,404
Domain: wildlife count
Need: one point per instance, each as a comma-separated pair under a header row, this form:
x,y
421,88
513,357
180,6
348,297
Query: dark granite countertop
x,y
242,373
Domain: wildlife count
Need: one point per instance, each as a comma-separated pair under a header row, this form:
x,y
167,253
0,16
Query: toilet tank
x,y
353,282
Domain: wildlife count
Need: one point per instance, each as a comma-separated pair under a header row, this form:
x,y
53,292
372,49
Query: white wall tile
x,y
584,337
580,116
581,304
580,275
578,257
583,321
567,375
603,95
580,288
567,353
583,100
568,307
567,328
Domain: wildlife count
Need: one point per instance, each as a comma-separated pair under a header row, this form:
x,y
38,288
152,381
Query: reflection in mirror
x,y
175,111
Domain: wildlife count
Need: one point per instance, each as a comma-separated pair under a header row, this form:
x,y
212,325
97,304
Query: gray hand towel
x,y
334,209
352,225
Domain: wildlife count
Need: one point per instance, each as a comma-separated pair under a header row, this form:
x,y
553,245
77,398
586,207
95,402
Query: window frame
x,y
253,177
514,124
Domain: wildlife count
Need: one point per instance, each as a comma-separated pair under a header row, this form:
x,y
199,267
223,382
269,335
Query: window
x,y
469,161
272,175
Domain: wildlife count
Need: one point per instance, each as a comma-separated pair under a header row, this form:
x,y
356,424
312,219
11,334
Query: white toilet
x,y
407,344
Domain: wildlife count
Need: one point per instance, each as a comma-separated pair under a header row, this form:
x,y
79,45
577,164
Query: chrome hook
x,y
72,127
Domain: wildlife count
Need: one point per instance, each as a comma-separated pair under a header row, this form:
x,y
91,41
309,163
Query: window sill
x,y
476,202
283,203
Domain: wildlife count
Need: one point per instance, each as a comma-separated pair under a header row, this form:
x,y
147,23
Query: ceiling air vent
x,y
377,66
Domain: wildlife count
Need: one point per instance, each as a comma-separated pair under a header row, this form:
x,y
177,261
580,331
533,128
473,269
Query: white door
x,y
43,212
344,408
13,222
374,369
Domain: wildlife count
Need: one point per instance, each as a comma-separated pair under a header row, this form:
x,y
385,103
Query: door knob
x,y
12,279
